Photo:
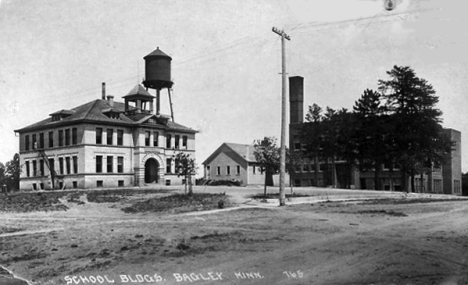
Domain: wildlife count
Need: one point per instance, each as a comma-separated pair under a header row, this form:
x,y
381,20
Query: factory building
x,y
441,179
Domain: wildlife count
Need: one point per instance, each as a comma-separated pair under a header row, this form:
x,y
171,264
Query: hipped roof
x,y
93,112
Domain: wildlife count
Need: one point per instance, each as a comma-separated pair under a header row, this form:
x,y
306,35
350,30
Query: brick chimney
x,y
296,99
110,100
103,91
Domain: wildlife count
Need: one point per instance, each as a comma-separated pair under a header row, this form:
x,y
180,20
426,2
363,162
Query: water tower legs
x,y
158,100
170,103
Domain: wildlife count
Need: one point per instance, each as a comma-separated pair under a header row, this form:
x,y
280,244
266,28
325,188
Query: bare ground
x,y
388,241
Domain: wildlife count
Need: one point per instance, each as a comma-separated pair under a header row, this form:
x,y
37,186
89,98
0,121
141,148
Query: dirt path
x,y
318,243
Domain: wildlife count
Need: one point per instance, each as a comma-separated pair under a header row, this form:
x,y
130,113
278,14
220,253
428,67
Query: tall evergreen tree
x,y
371,137
312,137
416,134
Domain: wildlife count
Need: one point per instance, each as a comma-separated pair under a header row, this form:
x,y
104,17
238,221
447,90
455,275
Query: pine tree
x,y
416,134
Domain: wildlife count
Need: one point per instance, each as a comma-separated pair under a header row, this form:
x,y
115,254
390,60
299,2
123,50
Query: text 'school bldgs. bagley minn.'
x,y
178,277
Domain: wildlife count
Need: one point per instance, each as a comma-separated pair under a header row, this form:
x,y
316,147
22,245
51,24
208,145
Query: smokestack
x,y
110,100
296,99
103,90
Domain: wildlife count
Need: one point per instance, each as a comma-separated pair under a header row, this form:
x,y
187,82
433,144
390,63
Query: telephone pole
x,y
282,198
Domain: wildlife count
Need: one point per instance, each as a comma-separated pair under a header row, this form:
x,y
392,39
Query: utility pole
x,y
282,198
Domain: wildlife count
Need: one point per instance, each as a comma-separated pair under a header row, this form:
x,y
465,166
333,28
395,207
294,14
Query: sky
x,y
226,61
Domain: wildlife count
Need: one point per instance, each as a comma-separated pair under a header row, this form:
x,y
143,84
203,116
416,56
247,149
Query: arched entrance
x,y
151,171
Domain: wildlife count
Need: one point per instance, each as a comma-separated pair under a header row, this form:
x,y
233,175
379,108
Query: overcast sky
x,y
226,63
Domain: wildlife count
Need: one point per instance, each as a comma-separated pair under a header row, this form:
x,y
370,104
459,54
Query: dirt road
x,y
389,241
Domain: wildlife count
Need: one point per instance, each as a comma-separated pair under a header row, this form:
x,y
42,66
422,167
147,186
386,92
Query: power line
x,y
332,25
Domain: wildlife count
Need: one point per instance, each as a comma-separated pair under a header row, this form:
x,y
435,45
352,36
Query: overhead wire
x,y
260,38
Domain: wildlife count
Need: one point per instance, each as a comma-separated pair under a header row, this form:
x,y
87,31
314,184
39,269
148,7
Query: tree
x,y
416,134
345,124
372,131
293,162
2,175
12,173
329,137
185,166
267,155
312,137
465,184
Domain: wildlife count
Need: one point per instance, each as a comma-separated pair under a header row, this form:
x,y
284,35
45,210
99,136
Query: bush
x,y
232,182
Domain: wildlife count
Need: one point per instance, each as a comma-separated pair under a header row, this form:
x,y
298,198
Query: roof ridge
x,y
92,107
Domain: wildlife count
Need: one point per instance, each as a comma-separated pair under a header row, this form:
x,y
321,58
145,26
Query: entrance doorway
x,y
151,171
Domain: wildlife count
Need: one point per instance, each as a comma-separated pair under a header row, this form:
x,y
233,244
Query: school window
x,y
34,142
168,165
41,167
297,145
75,164
253,169
110,134
99,184
119,137
147,138
98,135
120,164
75,184
28,173
41,185
323,167
184,142
74,136
228,170
99,164
67,162
51,164
51,139
26,143
34,168
67,137
168,141
177,138
34,186
218,170
110,164
61,165
121,183
238,170
41,140
155,138
60,138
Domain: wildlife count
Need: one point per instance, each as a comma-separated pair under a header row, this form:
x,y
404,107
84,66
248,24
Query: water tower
x,y
158,76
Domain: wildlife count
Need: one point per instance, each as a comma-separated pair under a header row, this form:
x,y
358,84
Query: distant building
x,y
104,143
443,179
234,161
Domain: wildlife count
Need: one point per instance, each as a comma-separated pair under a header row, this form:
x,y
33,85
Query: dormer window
x,y
112,114
62,114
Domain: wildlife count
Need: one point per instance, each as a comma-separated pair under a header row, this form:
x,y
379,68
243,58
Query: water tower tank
x,y
157,70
